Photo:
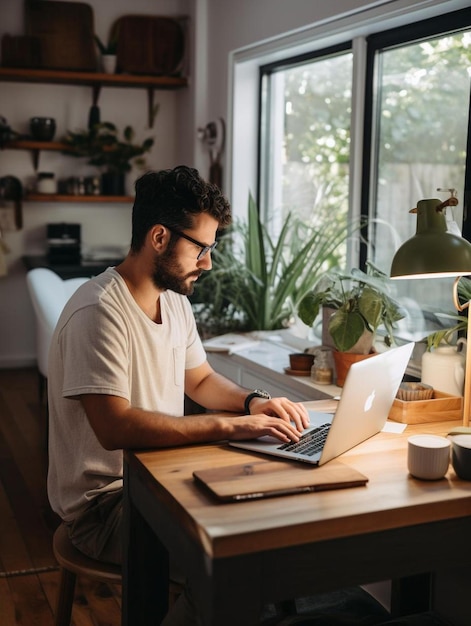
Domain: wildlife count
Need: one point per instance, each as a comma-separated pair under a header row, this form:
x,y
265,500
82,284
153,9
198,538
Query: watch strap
x,y
256,393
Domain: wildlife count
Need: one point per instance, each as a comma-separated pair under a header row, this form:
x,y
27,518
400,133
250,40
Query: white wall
x,y
101,224
218,28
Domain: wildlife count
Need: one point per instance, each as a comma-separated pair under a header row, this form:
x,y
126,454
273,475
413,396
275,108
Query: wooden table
x,y
241,556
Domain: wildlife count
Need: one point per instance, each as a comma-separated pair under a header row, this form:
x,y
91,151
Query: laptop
x,y
367,397
254,480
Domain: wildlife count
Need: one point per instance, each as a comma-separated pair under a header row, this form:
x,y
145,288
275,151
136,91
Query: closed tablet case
x,y
266,479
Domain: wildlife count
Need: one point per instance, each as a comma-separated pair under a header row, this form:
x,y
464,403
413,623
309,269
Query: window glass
x,y
421,121
306,141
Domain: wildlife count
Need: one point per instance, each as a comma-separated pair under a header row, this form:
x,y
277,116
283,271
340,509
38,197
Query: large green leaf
x,y
346,328
370,305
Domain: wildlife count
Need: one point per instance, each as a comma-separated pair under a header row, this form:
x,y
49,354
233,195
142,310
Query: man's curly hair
x,y
173,197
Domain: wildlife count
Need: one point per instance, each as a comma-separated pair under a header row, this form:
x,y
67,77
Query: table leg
x,y
411,594
145,570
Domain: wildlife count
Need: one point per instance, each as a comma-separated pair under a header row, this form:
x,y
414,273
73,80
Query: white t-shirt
x,y
104,343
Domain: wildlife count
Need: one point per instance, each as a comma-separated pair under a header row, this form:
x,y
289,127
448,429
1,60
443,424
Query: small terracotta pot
x,y
301,361
343,361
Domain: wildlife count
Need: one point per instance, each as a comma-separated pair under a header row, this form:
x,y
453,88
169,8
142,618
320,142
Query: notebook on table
x,y
266,479
367,397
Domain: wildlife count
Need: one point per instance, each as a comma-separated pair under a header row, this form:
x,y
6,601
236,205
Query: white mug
x,y
428,456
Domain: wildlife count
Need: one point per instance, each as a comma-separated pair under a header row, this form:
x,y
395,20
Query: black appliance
x,y
64,243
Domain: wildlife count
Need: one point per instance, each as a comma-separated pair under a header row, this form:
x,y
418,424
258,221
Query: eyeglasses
x,y
204,248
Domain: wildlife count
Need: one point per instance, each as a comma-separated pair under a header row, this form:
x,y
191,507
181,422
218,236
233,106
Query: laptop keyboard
x,y
310,443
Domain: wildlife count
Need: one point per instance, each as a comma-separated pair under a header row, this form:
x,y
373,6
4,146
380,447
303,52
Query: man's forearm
x,y
216,392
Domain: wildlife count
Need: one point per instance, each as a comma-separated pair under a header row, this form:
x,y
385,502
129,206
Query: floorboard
x,y
29,575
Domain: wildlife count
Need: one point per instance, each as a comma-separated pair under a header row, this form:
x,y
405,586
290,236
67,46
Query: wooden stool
x,y
73,562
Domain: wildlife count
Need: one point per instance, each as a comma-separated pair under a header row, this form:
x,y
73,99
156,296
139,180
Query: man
x,y
126,350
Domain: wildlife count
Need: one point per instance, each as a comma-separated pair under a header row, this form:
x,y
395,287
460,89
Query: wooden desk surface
x,y
392,498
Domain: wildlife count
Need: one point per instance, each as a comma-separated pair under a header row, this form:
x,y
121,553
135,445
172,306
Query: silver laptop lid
x,y
367,396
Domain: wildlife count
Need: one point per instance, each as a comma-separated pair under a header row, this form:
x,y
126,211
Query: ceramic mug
x,y
461,455
428,456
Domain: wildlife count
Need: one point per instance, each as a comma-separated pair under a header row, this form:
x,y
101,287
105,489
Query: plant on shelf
x,y
257,280
103,147
459,323
108,52
110,48
360,304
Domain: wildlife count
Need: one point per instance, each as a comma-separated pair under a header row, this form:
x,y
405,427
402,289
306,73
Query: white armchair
x,y
49,294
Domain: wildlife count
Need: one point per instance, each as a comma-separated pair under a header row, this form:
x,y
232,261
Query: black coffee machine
x,y
64,243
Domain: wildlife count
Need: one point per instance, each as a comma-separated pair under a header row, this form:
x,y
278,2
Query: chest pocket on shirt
x,y
179,366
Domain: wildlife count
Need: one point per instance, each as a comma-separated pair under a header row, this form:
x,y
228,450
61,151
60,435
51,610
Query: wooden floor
x,y
29,575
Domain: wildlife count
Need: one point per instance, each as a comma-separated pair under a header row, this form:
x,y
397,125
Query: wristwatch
x,y
256,393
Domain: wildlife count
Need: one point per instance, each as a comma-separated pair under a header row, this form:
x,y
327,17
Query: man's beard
x,y
167,275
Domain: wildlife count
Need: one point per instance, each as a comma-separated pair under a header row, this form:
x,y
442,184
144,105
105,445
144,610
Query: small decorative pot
x,y
109,63
343,361
42,128
301,361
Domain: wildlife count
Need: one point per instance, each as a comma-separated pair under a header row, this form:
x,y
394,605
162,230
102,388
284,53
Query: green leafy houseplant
x,y
103,147
361,304
257,281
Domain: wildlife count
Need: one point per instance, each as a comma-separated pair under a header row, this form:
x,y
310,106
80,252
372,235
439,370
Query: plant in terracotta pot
x,y
360,304
104,148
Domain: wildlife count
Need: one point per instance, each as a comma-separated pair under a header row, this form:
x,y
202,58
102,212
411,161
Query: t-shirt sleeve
x,y
95,348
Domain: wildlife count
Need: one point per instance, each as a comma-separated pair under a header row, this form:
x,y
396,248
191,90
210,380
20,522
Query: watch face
x,y
262,393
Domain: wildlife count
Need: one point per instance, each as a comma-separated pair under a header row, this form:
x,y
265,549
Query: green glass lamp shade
x,y
432,250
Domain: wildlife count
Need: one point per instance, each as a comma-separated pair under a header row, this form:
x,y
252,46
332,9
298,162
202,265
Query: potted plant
x,y
108,52
257,280
104,148
360,304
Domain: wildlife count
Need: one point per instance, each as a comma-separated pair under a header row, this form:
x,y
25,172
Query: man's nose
x,y
206,262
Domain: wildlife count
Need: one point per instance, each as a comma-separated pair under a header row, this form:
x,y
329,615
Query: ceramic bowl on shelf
x,y
42,128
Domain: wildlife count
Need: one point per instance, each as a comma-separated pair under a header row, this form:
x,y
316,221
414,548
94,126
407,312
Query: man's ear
x,y
159,237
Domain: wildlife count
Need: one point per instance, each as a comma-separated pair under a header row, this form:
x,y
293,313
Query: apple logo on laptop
x,y
369,401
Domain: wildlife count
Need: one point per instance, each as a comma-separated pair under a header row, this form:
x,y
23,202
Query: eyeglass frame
x,y
204,247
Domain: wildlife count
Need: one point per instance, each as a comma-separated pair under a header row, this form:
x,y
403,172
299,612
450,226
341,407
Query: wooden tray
x,y
440,407
20,51
65,33
149,45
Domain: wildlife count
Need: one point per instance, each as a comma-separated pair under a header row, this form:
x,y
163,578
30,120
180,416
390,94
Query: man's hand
x,y
282,408
254,426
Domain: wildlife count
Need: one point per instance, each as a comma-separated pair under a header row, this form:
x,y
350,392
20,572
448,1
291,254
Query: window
x,y
415,121
306,138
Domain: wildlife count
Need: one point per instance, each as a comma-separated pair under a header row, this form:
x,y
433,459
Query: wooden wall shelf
x,y
31,144
55,197
92,79
97,80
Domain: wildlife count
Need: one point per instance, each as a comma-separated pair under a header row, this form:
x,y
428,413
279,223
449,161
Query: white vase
x,y
443,369
109,63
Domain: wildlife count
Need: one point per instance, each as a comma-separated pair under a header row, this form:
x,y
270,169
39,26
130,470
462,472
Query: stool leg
x,y
65,598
